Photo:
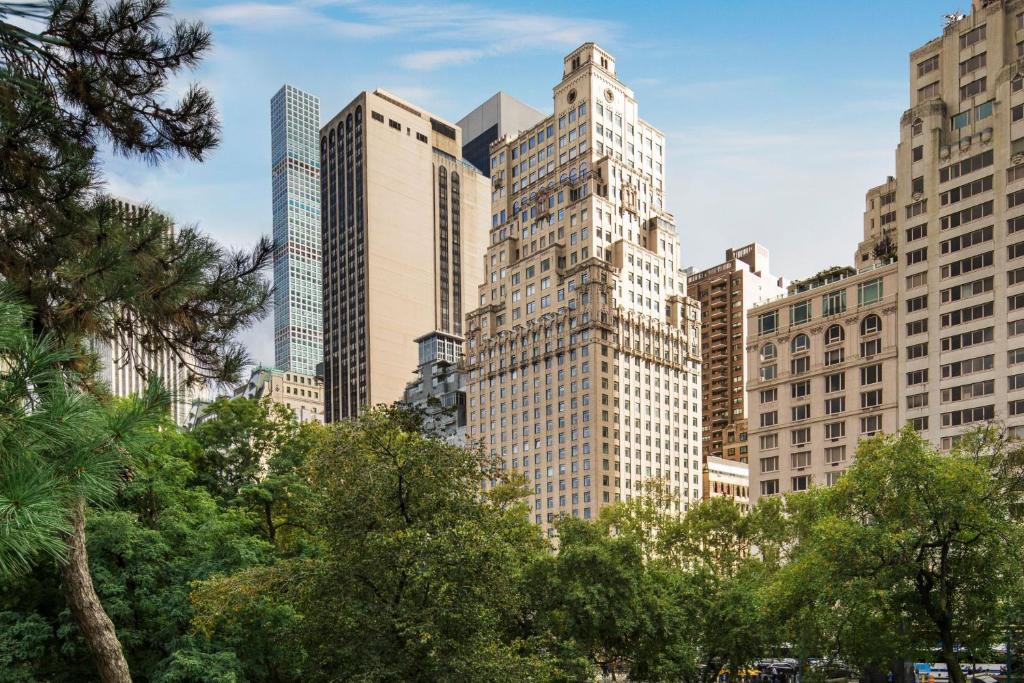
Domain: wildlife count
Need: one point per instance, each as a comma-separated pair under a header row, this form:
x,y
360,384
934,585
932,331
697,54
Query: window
x,y
917,256
800,343
967,367
968,416
984,110
917,303
1015,357
973,213
961,120
917,232
870,425
869,292
915,377
871,347
836,405
917,153
871,324
966,392
800,312
769,395
915,401
967,290
972,64
835,455
835,382
975,35
769,441
800,389
834,334
870,374
770,464
768,322
917,280
800,460
917,350
769,487
928,65
927,92
918,424
917,327
768,351
967,339
770,418
769,372
871,399
968,314
965,191
834,357
835,430
966,240
799,413
800,365
969,165
833,303
799,437
802,483
967,265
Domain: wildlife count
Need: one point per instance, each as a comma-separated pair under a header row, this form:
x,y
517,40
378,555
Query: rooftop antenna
x,y
953,18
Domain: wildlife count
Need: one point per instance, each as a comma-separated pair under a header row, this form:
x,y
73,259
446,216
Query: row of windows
x,y
832,303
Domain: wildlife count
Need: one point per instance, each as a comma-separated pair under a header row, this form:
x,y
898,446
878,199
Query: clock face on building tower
x,y
609,95
571,96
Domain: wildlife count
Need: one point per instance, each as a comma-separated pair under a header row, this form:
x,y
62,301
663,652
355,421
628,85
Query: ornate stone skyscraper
x,y
583,351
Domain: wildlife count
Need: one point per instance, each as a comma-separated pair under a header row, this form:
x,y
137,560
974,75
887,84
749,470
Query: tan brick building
x,y
404,228
822,374
726,292
304,394
584,351
960,219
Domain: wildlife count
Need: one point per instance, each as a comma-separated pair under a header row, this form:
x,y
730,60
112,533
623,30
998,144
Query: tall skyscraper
x,y
499,116
960,219
295,179
726,292
584,350
404,232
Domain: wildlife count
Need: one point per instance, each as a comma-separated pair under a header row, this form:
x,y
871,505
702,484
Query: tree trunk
x,y
92,620
952,662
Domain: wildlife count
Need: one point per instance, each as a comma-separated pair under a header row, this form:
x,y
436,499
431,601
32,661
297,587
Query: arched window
x,y
834,334
871,324
768,351
801,342
573,174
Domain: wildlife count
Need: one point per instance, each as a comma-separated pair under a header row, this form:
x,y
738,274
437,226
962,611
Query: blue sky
x,y
778,115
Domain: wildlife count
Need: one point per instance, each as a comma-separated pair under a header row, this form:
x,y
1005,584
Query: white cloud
x,y
433,59
476,31
272,16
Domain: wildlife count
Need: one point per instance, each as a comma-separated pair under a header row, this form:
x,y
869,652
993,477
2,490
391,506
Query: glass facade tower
x,y
295,174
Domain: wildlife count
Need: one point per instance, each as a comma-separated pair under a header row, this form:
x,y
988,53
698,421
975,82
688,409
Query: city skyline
x,y
827,139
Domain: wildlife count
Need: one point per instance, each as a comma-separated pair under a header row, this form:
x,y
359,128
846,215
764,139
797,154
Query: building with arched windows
x,y
821,375
404,231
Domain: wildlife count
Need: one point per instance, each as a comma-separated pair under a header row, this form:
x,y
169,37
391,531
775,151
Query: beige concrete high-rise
x,y
404,228
960,218
879,224
584,352
128,361
726,292
822,374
